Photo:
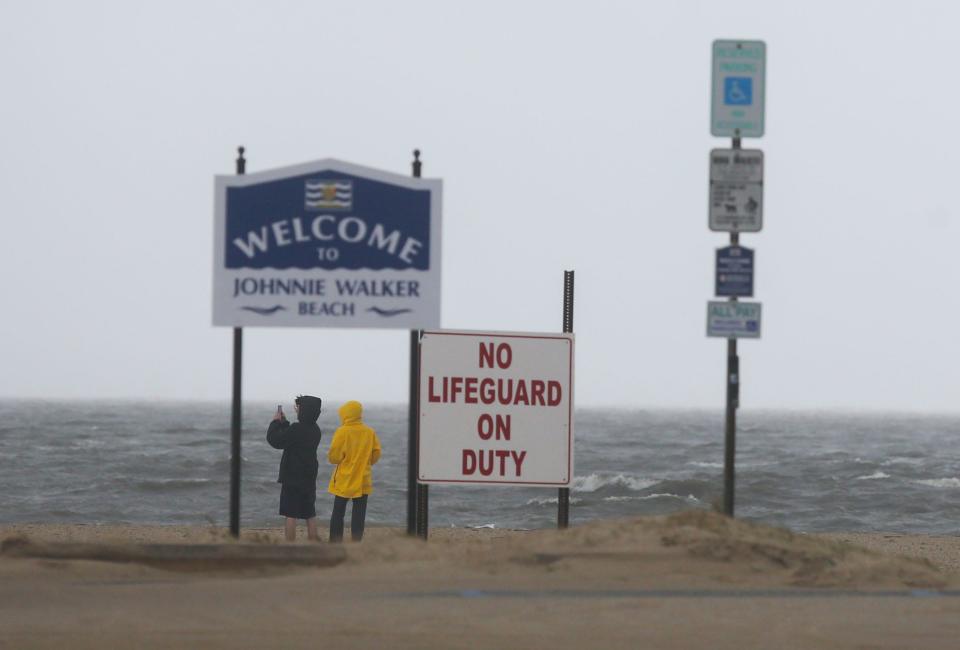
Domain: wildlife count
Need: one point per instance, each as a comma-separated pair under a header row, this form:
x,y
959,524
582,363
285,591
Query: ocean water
x,y
168,463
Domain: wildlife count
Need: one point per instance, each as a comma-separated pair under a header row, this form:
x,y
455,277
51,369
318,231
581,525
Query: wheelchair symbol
x,y
738,91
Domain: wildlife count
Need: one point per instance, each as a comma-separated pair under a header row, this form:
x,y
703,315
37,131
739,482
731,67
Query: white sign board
x,y
736,190
733,320
739,86
326,244
496,408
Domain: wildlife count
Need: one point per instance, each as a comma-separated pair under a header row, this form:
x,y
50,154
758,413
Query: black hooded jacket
x,y
299,442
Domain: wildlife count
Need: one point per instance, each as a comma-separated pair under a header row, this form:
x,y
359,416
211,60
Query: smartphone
x,y
279,408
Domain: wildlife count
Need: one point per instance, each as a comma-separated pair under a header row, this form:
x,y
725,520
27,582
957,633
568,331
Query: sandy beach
x,y
694,579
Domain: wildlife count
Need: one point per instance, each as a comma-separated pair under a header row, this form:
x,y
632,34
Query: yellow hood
x,y
351,412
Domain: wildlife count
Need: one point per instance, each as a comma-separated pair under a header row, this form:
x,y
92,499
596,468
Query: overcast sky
x,y
569,135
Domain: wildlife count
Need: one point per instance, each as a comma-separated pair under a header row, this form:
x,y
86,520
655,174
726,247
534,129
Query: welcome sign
x,y
327,244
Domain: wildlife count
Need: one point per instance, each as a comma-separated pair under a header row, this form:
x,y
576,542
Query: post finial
x,y
417,165
241,161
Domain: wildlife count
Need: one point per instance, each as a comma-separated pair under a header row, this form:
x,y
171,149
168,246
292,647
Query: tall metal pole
x,y
413,489
733,402
235,411
563,496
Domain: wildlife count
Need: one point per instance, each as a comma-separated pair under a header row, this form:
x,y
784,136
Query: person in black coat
x,y
298,465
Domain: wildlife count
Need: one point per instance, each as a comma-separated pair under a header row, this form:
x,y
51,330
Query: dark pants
x,y
357,518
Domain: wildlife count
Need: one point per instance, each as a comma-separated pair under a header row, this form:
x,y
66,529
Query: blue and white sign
x,y
733,320
327,244
739,82
734,276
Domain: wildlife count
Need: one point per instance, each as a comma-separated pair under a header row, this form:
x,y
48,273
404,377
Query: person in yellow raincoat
x,y
354,449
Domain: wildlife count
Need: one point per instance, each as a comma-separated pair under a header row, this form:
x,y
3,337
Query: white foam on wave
x,y
89,443
546,501
873,477
593,482
941,482
901,460
697,463
689,497
175,481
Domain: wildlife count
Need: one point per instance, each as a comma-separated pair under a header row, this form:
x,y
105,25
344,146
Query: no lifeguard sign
x,y
496,408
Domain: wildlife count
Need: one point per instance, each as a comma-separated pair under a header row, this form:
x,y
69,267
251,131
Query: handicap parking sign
x,y
738,88
738,91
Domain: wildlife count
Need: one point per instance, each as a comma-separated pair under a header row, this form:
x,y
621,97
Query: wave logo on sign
x,y
323,194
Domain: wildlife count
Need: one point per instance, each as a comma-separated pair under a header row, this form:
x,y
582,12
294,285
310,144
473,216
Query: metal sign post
x,y
563,495
735,206
235,411
417,495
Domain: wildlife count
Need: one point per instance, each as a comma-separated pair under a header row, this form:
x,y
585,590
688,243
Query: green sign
x,y
733,320
739,88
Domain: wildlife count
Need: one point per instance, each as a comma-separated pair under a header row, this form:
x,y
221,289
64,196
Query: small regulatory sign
x,y
736,190
734,276
739,81
496,408
733,320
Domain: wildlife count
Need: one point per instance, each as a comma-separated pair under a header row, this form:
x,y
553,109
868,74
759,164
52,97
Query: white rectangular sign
x,y
736,190
733,320
739,87
326,244
496,408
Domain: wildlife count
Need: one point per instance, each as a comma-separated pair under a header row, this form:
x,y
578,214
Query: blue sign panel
x,y
327,244
734,274
281,224
738,91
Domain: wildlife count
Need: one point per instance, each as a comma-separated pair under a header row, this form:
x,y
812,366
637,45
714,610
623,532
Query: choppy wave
x,y
902,460
170,484
546,501
89,443
941,482
658,495
873,477
169,463
594,482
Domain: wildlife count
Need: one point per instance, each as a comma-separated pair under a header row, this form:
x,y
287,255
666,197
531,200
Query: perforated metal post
x,y
563,496
236,410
